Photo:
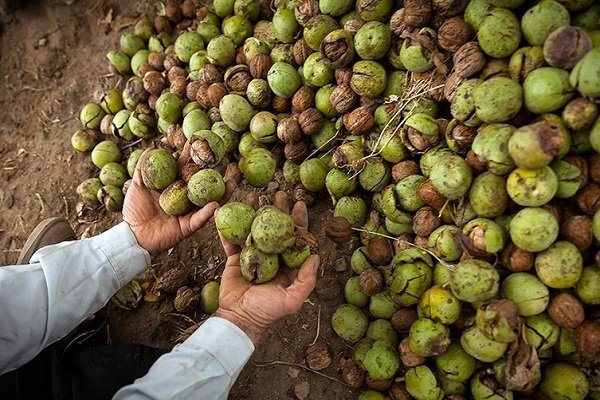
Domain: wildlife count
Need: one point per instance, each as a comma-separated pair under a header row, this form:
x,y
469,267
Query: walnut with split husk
x,y
154,82
259,65
468,60
521,371
352,374
565,46
397,24
425,221
318,356
311,121
186,299
215,93
430,195
581,163
327,288
301,51
403,319
337,49
343,98
172,280
371,281
588,198
566,310
460,137
303,99
578,230
353,25
176,137
289,131
280,104
338,229
207,149
587,339
380,250
477,164
359,121
454,33
237,79
417,13
214,115
296,152
408,357
515,259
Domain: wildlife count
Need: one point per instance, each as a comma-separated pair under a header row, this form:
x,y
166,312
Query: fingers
x,y
200,217
304,283
230,248
137,175
300,215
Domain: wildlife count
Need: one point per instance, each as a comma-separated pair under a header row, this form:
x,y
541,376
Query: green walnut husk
x,y
484,386
111,101
499,320
316,70
474,280
105,152
547,89
258,167
209,297
541,332
131,44
455,364
587,287
451,177
422,384
534,146
313,173
428,337
413,55
272,230
532,187
339,184
369,78
221,51
140,58
187,44
263,127
353,209
382,329
374,176
159,169
247,143
285,25
236,112
141,125
533,229
295,256
283,79
444,242
409,281
258,266
491,146
499,33
88,191
195,120
133,160
560,265
317,28
498,99
205,186
120,125
584,76
525,60
84,140
234,220
381,361
359,261
439,304
238,28
565,382
352,293
291,172
112,197
91,115
477,345
596,225
488,195
381,305
119,61
371,395
174,199
463,104
529,294
570,178
543,18
168,107
373,40
349,323
113,174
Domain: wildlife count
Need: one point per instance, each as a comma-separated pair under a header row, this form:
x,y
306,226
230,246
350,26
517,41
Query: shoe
x,y
49,231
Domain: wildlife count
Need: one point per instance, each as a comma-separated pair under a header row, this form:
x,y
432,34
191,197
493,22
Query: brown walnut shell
x,y
359,121
216,92
176,137
404,169
403,319
371,281
296,152
280,104
301,51
156,60
352,374
343,76
311,121
566,310
430,195
398,391
303,99
289,131
417,13
397,25
452,83
260,65
210,74
587,340
380,250
202,97
154,82
191,91
454,33
318,356
425,221
594,167
515,259
408,357
237,79
162,24
588,198
381,385
343,98
188,170
178,86
468,60
578,230
301,194
338,229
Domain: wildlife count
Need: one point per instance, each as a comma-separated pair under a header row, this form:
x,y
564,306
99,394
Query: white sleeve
x,y
62,286
205,366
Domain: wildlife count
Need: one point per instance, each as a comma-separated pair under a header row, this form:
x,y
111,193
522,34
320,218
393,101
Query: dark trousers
x,y
79,367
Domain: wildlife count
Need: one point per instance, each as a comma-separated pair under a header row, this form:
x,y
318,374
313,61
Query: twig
x,y
261,364
41,202
132,144
318,327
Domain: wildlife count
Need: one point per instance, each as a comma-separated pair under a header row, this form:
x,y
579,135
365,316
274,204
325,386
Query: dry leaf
x,y
522,369
123,21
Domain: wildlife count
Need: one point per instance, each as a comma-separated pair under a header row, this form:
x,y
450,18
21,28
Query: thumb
x,y
303,285
200,217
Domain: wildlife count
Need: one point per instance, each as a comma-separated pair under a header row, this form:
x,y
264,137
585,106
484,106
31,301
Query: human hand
x,y
253,308
154,229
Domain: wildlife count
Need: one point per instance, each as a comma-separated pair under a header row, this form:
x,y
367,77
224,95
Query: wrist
x,y
139,237
253,330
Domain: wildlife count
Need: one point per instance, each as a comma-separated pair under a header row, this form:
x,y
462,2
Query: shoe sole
x,y
35,239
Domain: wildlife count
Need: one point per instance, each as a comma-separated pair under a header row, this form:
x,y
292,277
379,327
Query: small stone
x,y
301,390
293,372
341,265
272,186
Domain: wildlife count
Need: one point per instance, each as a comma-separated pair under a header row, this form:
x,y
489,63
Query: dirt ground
x,y
42,90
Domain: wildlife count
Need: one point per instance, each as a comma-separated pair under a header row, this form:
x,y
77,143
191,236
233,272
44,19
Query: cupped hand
x,y
253,308
154,229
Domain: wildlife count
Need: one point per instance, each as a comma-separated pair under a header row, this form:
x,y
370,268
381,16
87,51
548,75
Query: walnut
x,y
397,25
403,169
288,130
215,93
156,60
188,9
175,136
306,10
477,164
417,13
379,384
318,356
421,241
398,392
425,221
152,101
430,196
578,230
178,86
566,310
380,250
462,136
587,340
449,7
260,65
301,194
359,121
515,259
371,281
452,83
240,57
202,97
338,229
343,76
454,33
252,200
280,104
301,51
191,91
594,167
495,67
188,170
162,24
581,163
311,121
173,10
402,242
468,60
566,46
343,98
144,68
353,25
154,82
172,280
303,99
210,74
403,319
186,299
408,357
237,79
352,374
171,61
588,198
296,152
327,287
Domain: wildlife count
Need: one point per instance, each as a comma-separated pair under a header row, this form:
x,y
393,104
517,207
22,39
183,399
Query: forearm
x,y
63,285
205,366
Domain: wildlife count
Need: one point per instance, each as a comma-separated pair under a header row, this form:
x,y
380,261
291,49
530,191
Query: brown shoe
x,y
49,231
